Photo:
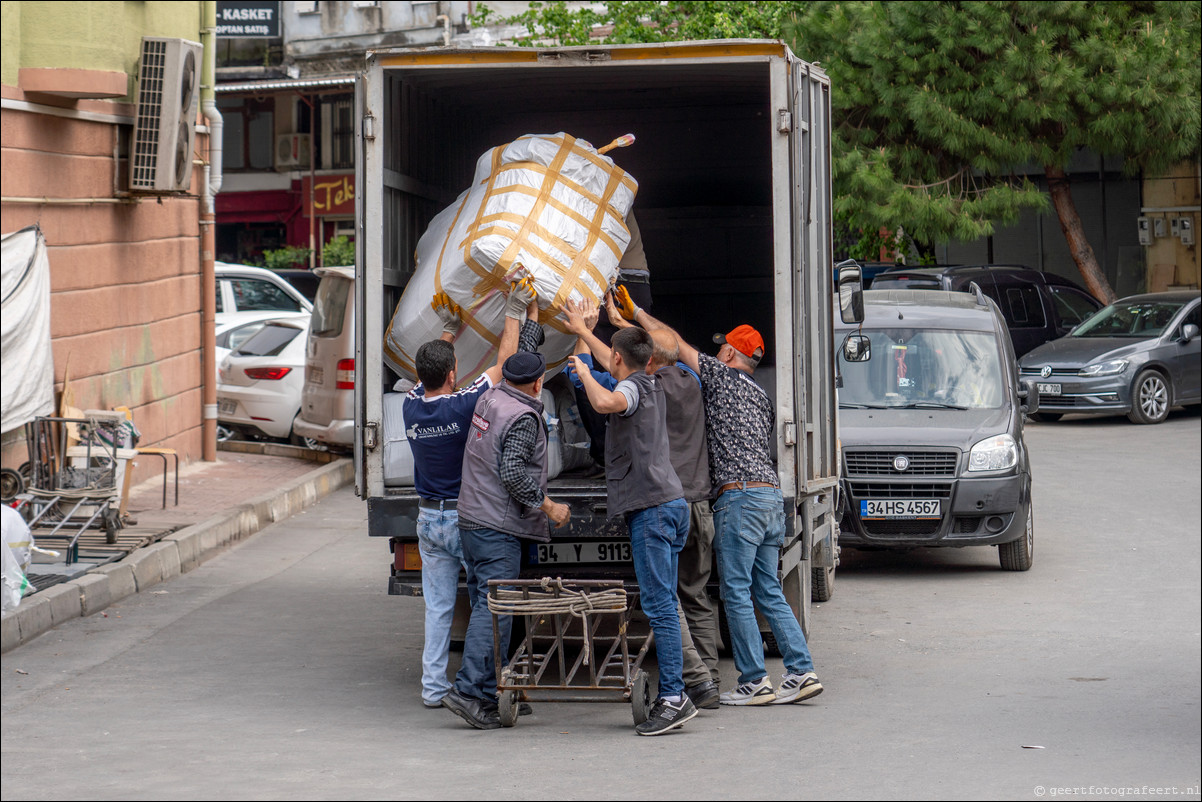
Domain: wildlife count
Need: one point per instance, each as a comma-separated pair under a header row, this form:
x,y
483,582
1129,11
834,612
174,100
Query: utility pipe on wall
x,y
208,223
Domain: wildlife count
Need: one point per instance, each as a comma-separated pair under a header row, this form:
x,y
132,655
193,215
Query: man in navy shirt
x,y
437,419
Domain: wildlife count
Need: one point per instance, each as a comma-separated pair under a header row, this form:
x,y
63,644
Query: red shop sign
x,y
333,195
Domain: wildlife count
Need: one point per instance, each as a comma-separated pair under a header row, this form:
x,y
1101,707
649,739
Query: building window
x,y
249,138
337,133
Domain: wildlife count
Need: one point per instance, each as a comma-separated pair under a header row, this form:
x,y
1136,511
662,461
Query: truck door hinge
x,y
790,433
784,121
369,434
369,127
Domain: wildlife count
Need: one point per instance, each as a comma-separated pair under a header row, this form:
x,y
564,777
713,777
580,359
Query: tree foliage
x,y
943,105
644,21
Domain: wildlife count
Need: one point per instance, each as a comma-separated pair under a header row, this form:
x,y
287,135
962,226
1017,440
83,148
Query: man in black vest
x,y
688,450
642,486
502,501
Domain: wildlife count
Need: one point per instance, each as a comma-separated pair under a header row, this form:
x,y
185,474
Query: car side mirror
x,y
1028,397
857,348
1188,332
851,291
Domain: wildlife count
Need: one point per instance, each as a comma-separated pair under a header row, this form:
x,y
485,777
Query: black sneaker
x,y
704,695
667,716
473,711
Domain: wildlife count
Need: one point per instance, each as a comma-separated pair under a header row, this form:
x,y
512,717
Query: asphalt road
x,y
282,670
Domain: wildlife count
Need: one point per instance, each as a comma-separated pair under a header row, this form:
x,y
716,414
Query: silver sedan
x,y
1139,356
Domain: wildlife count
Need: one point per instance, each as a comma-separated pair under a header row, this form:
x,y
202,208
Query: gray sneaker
x,y
667,716
750,693
797,688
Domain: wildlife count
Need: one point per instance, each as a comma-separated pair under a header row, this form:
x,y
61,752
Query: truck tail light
x,y
346,375
270,374
411,558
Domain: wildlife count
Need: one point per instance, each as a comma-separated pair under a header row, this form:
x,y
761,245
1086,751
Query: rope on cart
x,y
578,603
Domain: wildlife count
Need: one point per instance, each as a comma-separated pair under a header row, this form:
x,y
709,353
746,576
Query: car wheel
x,y
822,584
224,433
1018,555
1151,398
1047,417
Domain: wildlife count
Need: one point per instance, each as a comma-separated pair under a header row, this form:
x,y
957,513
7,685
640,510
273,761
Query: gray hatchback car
x,y
1140,356
931,424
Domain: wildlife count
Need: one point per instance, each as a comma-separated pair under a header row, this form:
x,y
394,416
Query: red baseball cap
x,y
744,339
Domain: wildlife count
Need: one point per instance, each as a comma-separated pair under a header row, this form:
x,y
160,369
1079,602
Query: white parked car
x,y
234,328
259,382
242,288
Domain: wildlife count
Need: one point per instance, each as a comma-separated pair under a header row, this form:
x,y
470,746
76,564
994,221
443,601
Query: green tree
x,y
286,257
938,103
338,251
643,21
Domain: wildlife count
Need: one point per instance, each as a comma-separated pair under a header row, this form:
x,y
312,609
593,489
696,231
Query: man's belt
x,y
741,486
440,505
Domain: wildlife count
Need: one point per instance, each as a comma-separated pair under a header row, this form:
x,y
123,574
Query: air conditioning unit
x,y
292,151
165,126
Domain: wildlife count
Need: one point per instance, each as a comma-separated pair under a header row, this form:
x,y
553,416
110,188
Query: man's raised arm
x,y
632,311
521,300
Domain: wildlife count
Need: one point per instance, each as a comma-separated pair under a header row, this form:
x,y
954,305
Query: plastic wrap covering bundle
x,y
551,206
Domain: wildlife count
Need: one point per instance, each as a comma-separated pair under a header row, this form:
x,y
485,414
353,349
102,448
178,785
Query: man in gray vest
x,y
502,501
642,487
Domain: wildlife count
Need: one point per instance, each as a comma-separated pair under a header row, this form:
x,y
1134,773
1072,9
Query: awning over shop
x,y
290,83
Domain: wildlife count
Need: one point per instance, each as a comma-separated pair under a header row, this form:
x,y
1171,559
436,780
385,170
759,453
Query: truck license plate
x,y
227,407
314,374
567,552
899,508
1048,389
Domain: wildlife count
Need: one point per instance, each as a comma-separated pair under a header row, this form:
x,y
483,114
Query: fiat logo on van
x,y
901,462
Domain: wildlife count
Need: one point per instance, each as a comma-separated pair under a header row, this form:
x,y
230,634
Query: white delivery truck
x,y
733,164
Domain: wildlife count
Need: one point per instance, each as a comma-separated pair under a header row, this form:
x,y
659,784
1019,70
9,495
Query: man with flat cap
x,y
502,501
749,515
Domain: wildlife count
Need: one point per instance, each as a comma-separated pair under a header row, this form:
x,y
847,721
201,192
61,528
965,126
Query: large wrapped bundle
x,y
550,206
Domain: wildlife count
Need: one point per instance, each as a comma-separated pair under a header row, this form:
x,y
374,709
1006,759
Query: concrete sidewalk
x,y
249,486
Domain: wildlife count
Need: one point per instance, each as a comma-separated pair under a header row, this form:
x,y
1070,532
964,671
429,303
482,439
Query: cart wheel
x,y
507,706
12,484
640,697
112,524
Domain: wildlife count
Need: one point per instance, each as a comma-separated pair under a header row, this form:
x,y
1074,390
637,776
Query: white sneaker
x,y
797,688
750,693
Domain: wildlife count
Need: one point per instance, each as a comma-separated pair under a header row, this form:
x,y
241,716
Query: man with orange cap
x,y
749,515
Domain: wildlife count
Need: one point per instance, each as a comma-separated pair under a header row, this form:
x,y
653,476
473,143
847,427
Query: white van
x,y
327,412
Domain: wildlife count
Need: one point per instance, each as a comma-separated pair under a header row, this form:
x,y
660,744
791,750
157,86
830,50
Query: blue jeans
x,y
657,534
442,555
489,555
749,530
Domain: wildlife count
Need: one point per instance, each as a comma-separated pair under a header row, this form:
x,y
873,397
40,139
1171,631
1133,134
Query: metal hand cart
x,y
75,464
560,617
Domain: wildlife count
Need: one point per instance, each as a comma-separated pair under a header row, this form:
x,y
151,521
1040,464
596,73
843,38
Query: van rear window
x,y
329,309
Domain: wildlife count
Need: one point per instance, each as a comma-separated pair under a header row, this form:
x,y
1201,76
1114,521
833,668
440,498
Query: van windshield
x,y
329,309
924,368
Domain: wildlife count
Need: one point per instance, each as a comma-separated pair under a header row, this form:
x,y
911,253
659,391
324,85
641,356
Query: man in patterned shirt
x,y
749,518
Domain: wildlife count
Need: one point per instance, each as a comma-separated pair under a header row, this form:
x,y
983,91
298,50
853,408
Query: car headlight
x,y
994,454
1111,368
